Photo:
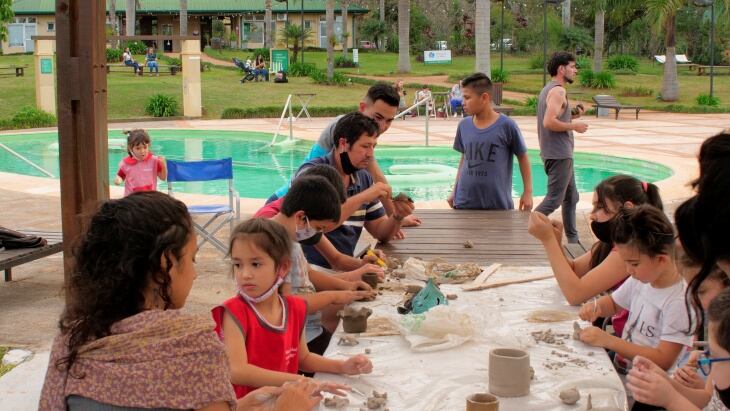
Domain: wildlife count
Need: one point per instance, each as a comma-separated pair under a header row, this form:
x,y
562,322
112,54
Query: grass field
x,y
221,88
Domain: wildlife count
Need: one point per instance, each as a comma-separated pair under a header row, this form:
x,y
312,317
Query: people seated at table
x,y
260,68
311,208
488,141
124,341
456,99
151,61
128,60
263,331
380,104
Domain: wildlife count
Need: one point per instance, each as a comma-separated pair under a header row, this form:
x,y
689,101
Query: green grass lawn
x,y
221,88
4,368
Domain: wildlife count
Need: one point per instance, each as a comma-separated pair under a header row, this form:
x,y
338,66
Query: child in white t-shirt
x,y
654,294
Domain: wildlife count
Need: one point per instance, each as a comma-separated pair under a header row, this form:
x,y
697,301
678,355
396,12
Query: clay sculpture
x,y
482,402
336,402
576,330
509,372
468,244
355,320
377,400
371,279
348,341
570,396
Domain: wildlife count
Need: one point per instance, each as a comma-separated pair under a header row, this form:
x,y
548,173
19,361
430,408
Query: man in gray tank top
x,y
555,134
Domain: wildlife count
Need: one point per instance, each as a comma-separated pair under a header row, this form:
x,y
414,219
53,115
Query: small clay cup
x,y
371,279
354,321
482,402
509,372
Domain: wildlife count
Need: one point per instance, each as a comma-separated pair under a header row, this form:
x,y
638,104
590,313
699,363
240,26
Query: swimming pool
x,y
259,170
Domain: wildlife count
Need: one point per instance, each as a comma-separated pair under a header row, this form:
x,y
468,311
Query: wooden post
x,y
82,115
45,75
192,97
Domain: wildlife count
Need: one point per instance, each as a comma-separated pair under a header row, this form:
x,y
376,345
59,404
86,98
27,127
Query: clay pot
x,y
354,321
509,372
482,402
371,279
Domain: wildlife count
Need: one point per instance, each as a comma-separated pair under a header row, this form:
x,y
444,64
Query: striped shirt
x,y
345,237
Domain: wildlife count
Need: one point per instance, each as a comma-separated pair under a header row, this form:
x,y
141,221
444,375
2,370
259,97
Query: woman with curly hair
x,y
123,342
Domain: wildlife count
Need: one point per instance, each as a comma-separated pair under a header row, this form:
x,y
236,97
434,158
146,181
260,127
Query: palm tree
x,y
404,23
330,21
294,34
600,11
345,35
268,25
566,13
113,16
183,17
382,21
130,17
481,35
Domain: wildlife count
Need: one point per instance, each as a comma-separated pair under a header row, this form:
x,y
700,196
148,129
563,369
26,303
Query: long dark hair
x,y
719,313
645,227
116,259
620,189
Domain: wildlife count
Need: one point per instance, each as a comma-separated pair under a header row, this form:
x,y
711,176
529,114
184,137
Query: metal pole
x,y
501,41
286,23
544,44
712,50
302,14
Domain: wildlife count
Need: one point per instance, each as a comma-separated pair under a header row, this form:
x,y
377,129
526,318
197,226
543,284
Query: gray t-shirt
x,y
326,139
554,145
298,276
485,179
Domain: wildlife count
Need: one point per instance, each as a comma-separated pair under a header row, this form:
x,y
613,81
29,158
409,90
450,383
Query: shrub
x,y
171,61
136,47
114,55
301,69
29,117
586,78
637,91
623,62
320,77
531,102
343,61
537,62
583,63
603,79
263,51
161,105
707,100
499,76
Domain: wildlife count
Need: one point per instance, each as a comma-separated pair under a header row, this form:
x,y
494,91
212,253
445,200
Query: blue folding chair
x,y
222,214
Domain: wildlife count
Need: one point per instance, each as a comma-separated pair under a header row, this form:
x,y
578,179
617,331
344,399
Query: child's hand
x,y
379,190
540,227
368,268
295,395
370,259
358,364
358,286
526,202
450,200
118,180
594,336
649,386
558,230
688,377
333,388
346,297
590,311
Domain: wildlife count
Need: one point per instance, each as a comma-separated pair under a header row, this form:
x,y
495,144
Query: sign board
x,y
279,60
46,65
437,56
355,56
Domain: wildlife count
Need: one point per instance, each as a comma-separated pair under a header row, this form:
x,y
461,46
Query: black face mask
x,y
724,396
347,166
602,231
312,240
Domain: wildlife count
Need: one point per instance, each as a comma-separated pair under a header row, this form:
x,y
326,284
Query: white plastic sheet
x,y
441,380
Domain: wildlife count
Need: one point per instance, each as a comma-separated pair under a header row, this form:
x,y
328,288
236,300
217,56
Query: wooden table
x,y
498,237
18,256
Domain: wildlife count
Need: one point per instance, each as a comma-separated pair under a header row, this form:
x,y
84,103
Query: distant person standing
x,y
555,134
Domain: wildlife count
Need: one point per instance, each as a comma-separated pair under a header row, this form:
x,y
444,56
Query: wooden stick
x,y
482,278
502,283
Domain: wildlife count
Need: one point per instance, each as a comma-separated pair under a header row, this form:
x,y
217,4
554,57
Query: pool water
x,y
259,170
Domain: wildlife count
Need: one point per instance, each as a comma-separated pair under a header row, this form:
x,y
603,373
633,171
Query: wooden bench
x,y
504,110
606,101
19,71
18,256
120,68
706,69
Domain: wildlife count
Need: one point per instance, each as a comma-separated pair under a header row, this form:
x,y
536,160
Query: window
x,y
51,27
20,19
308,24
16,34
253,32
30,20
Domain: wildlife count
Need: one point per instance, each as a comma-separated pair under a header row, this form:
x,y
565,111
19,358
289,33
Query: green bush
x,y
586,78
637,91
603,79
623,62
344,62
320,77
171,61
263,51
531,102
706,100
31,117
136,47
301,69
161,105
537,62
499,76
583,63
275,111
114,55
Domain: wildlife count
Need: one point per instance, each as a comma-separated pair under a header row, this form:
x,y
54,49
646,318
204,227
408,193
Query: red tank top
x,y
272,348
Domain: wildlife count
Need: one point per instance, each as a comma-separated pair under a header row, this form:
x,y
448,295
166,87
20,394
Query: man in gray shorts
x,y
555,134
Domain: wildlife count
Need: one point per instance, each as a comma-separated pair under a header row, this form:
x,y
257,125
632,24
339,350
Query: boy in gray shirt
x,y
487,142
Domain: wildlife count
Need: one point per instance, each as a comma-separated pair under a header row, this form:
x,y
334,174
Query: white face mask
x,y
307,234
268,293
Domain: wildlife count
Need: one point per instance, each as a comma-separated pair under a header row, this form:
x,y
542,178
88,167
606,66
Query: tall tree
x,y
330,22
130,17
269,25
481,35
345,34
183,17
566,13
382,20
598,37
112,16
404,25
